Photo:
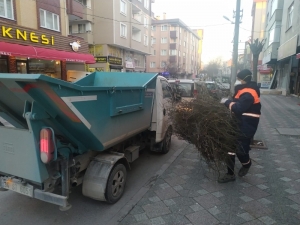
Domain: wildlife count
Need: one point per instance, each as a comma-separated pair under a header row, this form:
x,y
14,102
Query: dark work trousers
x,y
242,154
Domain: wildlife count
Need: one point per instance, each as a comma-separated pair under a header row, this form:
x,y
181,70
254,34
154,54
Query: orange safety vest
x,y
250,91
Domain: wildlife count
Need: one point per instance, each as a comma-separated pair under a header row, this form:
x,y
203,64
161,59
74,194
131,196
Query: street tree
x,y
256,48
213,67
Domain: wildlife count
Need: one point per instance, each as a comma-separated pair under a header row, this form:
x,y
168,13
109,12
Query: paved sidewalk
x,y
187,192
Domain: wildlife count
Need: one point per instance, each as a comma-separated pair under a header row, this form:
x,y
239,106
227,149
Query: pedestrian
x,y
246,108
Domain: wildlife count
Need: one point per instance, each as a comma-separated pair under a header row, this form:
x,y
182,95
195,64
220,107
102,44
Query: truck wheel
x,y
166,143
116,184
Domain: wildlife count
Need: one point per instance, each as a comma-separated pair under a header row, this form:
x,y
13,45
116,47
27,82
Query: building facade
x,y
259,20
174,49
283,45
117,31
38,42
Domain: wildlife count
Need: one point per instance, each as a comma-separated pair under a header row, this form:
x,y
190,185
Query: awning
x,y
44,53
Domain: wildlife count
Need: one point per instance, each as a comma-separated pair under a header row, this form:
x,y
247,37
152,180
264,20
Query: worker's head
x,y
244,76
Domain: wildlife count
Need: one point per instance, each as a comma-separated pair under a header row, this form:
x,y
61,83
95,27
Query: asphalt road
x,y
19,209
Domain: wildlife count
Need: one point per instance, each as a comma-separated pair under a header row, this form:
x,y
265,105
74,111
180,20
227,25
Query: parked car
x,y
212,88
185,87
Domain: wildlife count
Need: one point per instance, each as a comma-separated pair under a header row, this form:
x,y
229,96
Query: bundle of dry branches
x,y
207,124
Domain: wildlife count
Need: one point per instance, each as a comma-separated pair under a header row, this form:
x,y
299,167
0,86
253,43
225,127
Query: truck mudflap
x,y
18,186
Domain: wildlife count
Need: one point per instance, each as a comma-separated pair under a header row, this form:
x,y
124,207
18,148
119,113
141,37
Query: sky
x,y
208,15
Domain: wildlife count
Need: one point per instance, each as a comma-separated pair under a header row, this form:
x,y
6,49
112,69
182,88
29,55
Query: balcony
x,y
173,34
88,37
173,58
87,14
271,53
173,46
74,10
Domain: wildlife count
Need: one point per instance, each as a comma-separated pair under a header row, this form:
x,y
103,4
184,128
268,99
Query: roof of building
x,y
175,21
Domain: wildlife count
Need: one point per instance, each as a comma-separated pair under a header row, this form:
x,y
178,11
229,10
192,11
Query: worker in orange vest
x,y
246,107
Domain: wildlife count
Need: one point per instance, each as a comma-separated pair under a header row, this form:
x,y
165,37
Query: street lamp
x,y
226,18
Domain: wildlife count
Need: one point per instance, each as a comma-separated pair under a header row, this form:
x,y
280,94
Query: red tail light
x,y
46,145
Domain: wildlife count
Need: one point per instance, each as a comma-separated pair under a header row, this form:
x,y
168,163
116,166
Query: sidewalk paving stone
x,y
187,193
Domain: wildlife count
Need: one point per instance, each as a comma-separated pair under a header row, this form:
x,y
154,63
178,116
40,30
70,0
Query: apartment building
x,y
283,44
117,31
259,14
34,39
175,49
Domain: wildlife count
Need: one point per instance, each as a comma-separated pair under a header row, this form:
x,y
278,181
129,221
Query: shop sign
x,y
129,65
265,84
11,33
101,59
114,60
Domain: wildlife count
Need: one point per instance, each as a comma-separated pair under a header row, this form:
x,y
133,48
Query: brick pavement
x,y
187,192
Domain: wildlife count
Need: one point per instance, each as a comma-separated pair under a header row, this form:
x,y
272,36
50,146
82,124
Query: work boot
x,y
226,178
244,170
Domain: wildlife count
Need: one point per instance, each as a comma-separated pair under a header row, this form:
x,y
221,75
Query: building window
x,y
145,21
70,29
137,62
163,64
274,34
164,40
163,52
146,4
173,52
153,28
154,52
164,27
179,53
152,65
184,43
123,30
153,41
6,9
136,34
49,20
145,40
183,54
274,5
290,16
123,7
81,28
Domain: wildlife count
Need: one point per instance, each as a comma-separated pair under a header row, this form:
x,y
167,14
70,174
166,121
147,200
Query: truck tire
x,y
116,184
166,143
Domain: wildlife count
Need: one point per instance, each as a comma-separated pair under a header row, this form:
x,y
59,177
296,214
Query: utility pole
x,y
235,45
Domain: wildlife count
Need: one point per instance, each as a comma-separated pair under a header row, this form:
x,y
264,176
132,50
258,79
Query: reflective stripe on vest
x,y
250,91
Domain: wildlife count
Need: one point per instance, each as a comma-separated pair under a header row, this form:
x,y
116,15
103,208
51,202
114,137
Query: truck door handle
x,y
164,112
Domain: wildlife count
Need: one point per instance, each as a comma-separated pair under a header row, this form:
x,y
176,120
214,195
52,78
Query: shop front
x,y
129,66
115,64
23,50
265,75
107,64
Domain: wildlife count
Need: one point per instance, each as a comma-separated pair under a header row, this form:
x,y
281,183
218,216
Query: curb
x,y
146,187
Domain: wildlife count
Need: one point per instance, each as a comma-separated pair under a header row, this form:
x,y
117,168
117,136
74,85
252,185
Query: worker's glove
x,y
227,103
